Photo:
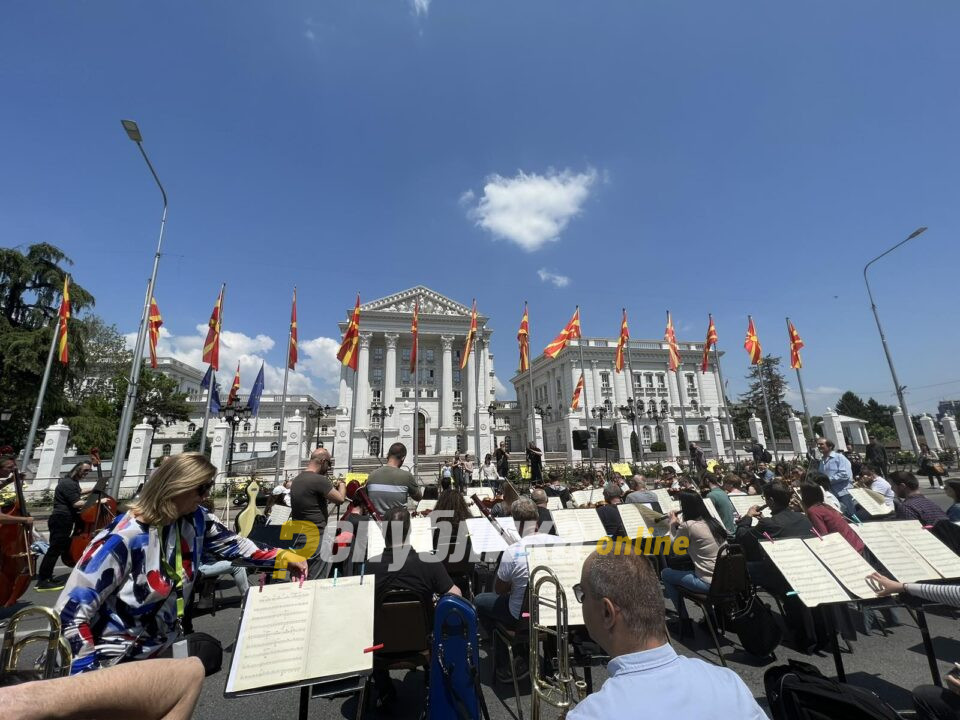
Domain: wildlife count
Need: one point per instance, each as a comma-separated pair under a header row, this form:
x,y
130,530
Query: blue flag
x,y
255,392
215,397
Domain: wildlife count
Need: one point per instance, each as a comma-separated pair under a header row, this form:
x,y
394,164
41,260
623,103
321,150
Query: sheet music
x,y
484,537
667,503
897,556
285,629
869,503
376,543
742,503
943,559
846,564
421,534
566,561
279,514
424,505
567,526
553,503
633,521
480,492
712,509
582,498
510,527
591,527
806,575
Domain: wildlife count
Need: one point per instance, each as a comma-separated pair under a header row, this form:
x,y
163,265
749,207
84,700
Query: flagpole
x,y
353,414
213,384
726,406
416,401
533,419
283,401
35,423
766,404
631,392
683,413
478,343
803,394
586,397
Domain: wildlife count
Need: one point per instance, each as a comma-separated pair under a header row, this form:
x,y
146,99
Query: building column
x,y
293,444
756,429
448,432
470,405
795,426
700,399
930,436
484,398
219,448
715,434
596,397
390,379
51,456
671,438
950,435
832,430
363,386
136,469
903,432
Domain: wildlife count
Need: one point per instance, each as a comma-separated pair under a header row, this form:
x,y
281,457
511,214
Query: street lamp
x,y
492,408
130,401
233,415
883,339
154,421
322,412
630,412
657,416
382,413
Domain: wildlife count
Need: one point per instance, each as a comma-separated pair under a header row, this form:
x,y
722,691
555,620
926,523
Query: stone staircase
x,y
428,467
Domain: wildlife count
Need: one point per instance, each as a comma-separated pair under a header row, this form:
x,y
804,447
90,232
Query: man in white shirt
x,y
505,604
878,484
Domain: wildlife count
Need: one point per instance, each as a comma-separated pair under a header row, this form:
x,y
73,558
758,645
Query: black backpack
x,y
766,457
799,691
755,626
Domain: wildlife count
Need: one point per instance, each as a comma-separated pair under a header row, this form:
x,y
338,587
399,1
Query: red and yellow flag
x,y
63,352
415,332
752,343
570,332
154,321
465,357
575,403
523,338
671,337
348,354
211,346
711,341
292,359
622,342
795,344
235,388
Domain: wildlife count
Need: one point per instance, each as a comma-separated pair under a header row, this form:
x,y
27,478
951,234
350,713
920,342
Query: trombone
x,y
563,688
56,658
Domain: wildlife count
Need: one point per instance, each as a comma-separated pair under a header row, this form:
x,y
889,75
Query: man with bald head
x,y
623,612
309,494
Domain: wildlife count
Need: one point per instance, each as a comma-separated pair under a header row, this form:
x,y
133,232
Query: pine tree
x,y
776,386
852,405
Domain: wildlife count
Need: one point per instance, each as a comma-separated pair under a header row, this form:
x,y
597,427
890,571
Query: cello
x,y
17,564
98,512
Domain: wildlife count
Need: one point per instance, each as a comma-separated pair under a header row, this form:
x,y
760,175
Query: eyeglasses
x,y
205,489
578,593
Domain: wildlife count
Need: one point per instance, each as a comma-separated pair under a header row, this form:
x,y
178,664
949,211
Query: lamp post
x,y
382,413
130,401
883,339
599,412
322,412
492,408
154,421
630,412
656,416
233,414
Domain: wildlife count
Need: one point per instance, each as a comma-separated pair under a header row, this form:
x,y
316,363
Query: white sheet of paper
x,y
375,540
283,625
943,559
480,492
804,572
667,503
566,561
846,564
582,498
568,527
426,505
873,508
591,528
897,556
484,537
510,526
742,503
421,534
279,514
632,519
712,509
553,503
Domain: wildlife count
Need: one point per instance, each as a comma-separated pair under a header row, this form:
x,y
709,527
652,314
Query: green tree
x,y
193,444
752,399
851,404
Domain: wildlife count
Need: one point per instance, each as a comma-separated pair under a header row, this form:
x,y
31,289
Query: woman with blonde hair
x,y
125,598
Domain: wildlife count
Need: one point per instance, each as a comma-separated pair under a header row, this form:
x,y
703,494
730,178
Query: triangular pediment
x,y
431,303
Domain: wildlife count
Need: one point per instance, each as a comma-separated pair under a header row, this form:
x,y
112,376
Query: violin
x,y
357,495
96,514
17,565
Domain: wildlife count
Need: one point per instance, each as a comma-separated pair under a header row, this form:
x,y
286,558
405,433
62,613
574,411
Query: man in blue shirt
x,y
623,612
837,469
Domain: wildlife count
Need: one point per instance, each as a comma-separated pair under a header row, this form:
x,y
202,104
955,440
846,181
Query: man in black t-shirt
x,y
309,494
502,460
609,514
67,503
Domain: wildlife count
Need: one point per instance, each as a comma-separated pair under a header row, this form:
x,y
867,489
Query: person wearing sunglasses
x,y
124,600
624,614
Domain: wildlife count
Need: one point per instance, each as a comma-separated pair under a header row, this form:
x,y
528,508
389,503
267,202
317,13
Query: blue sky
x,y
730,158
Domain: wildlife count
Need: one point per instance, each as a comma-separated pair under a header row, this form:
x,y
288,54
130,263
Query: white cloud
x,y
500,389
530,209
420,7
310,35
550,277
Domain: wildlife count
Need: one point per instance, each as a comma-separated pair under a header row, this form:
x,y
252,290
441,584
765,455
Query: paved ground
x,y
889,666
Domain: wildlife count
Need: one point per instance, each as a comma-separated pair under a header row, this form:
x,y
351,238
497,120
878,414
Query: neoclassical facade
x,y
654,390
450,413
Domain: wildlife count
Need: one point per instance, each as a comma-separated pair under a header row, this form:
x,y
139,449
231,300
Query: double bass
x,y
17,564
98,512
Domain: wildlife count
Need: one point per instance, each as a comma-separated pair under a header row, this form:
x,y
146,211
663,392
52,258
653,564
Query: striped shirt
x,y
389,487
944,594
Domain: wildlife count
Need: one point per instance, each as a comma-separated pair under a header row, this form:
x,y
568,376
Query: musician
x,y
698,459
502,460
535,461
721,501
840,473
732,484
391,486
828,497
489,476
451,510
609,515
539,498
911,504
67,503
623,612
281,493
640,494
874,480
952,490
8,469
876,455
467,465
123,598
505,604
824,518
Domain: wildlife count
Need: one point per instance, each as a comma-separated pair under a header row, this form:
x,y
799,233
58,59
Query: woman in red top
x,y
824,518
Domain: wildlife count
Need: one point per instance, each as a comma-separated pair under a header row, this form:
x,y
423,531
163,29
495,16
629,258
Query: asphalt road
x,y
888,665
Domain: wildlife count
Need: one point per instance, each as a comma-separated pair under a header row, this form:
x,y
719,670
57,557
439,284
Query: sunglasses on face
x,y
205,489
578,593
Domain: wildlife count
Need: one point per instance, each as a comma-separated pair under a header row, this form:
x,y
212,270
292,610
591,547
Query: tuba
x,y
56,657
563,688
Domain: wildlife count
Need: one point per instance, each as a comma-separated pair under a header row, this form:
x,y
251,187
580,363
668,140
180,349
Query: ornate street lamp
x,y
382,413
630,412
233,414
322,412
492,408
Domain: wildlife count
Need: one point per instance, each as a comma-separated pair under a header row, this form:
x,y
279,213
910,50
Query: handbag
x,y
937,469
756,627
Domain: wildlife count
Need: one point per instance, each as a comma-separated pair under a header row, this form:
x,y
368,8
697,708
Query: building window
x,y
377,397
459,443
405,354
652,407
664,407
273,446
456,376
276,427
695,405
376,374
431,393
637,381
244,447
192,427
426,376
405,377
323,429
456,357
246,427
605,380
457,419
661,381
378,354
457,396
701,433
650,380
375,447
405,393
647,435
691,383
506,443
375,420
429,355
166,449
559,392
